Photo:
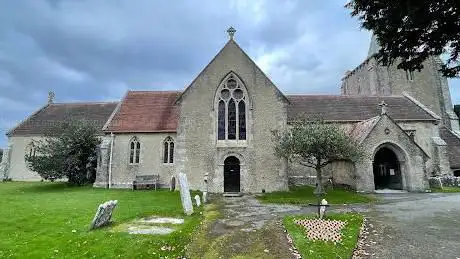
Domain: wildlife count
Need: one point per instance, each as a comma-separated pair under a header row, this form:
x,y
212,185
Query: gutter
x,y
110,159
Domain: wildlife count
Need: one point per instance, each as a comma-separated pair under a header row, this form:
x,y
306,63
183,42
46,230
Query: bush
x,y
68,150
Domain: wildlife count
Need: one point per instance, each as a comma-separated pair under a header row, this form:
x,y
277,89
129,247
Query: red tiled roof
x,y
353,108
146,111
46,118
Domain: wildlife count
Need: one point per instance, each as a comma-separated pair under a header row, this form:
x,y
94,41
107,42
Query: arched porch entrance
x,y
232,174
387,169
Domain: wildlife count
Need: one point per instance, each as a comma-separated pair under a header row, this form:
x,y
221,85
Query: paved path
x,y
401,226
415,226
249,229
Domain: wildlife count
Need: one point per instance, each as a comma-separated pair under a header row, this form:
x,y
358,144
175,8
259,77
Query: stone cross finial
x,y
231,32
50,97
383,106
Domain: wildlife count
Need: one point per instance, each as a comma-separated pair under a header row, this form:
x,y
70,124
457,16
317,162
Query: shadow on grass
x,y
46,187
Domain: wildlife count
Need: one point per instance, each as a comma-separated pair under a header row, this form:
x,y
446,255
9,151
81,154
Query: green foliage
x,y
322,249
446,189
54,220
410,31
304,195
315,144
68,150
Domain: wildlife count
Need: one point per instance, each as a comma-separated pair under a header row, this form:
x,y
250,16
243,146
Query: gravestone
x,y
185,194
103,214
322,209
197,200
205,197
172,186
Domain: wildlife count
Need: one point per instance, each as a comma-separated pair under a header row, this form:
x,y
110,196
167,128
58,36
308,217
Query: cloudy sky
x,y
96,50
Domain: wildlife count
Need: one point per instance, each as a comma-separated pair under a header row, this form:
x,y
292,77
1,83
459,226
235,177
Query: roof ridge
x,y
422,106
11,131
347,96
154,91
83,103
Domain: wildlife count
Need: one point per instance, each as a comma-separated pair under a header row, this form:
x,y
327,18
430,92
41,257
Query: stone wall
x,y
341,172
150,162
18,170
427,86
444,181
411,158
198,149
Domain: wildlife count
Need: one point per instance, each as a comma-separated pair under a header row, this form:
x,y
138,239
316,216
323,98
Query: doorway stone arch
x,y
218,181
389,167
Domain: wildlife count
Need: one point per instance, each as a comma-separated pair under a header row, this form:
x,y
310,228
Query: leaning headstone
x,y
172,186
322,209
197,200
185,194
103,214
205,197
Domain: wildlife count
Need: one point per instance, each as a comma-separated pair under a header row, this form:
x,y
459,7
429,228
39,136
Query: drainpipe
x,y
110,159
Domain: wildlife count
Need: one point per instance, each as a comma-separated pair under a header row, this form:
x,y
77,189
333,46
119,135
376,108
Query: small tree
x,y
315,144
67,150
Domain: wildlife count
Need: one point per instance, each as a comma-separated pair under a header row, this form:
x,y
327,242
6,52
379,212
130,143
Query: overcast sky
x,y
96,50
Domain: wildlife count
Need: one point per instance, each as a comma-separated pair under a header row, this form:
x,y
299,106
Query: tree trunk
x,y
319,179
319,192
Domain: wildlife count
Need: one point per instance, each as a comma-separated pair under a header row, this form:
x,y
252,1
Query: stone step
x,y
232,194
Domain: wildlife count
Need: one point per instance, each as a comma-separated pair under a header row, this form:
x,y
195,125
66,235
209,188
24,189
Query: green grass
x,y
323,249
446,189
51,220
304,195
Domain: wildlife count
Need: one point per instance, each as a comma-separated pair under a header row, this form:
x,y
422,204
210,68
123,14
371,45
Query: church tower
x,y
427,86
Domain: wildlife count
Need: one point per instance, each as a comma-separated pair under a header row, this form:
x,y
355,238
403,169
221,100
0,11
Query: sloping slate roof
x,y
362,129
453,147
46,118
353,108
146,111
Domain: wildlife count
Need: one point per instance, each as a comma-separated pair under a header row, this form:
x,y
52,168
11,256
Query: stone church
x,y
219,128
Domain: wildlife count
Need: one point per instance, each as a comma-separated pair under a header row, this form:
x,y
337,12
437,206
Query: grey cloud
x,y
95,50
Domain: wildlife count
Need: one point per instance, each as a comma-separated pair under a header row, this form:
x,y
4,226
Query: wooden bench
x,y
146,181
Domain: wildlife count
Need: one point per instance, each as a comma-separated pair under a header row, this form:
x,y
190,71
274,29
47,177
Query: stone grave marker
x,y
172,186
185,194
197,200
103,214
205,197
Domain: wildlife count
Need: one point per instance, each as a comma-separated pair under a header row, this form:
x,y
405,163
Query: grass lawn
x,y
304,195
446,189
51,220
323,249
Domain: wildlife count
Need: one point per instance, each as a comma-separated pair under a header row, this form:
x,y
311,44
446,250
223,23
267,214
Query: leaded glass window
x,y
231,110
168,151
134,151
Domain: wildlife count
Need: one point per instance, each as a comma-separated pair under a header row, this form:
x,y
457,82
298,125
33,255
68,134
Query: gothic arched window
x,y
231,110
168,151
134,151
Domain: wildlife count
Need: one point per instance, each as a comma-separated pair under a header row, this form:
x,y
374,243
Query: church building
x,y
218,130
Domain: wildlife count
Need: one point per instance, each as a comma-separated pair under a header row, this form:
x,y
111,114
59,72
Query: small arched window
x,y
134,151
231,110
168,151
